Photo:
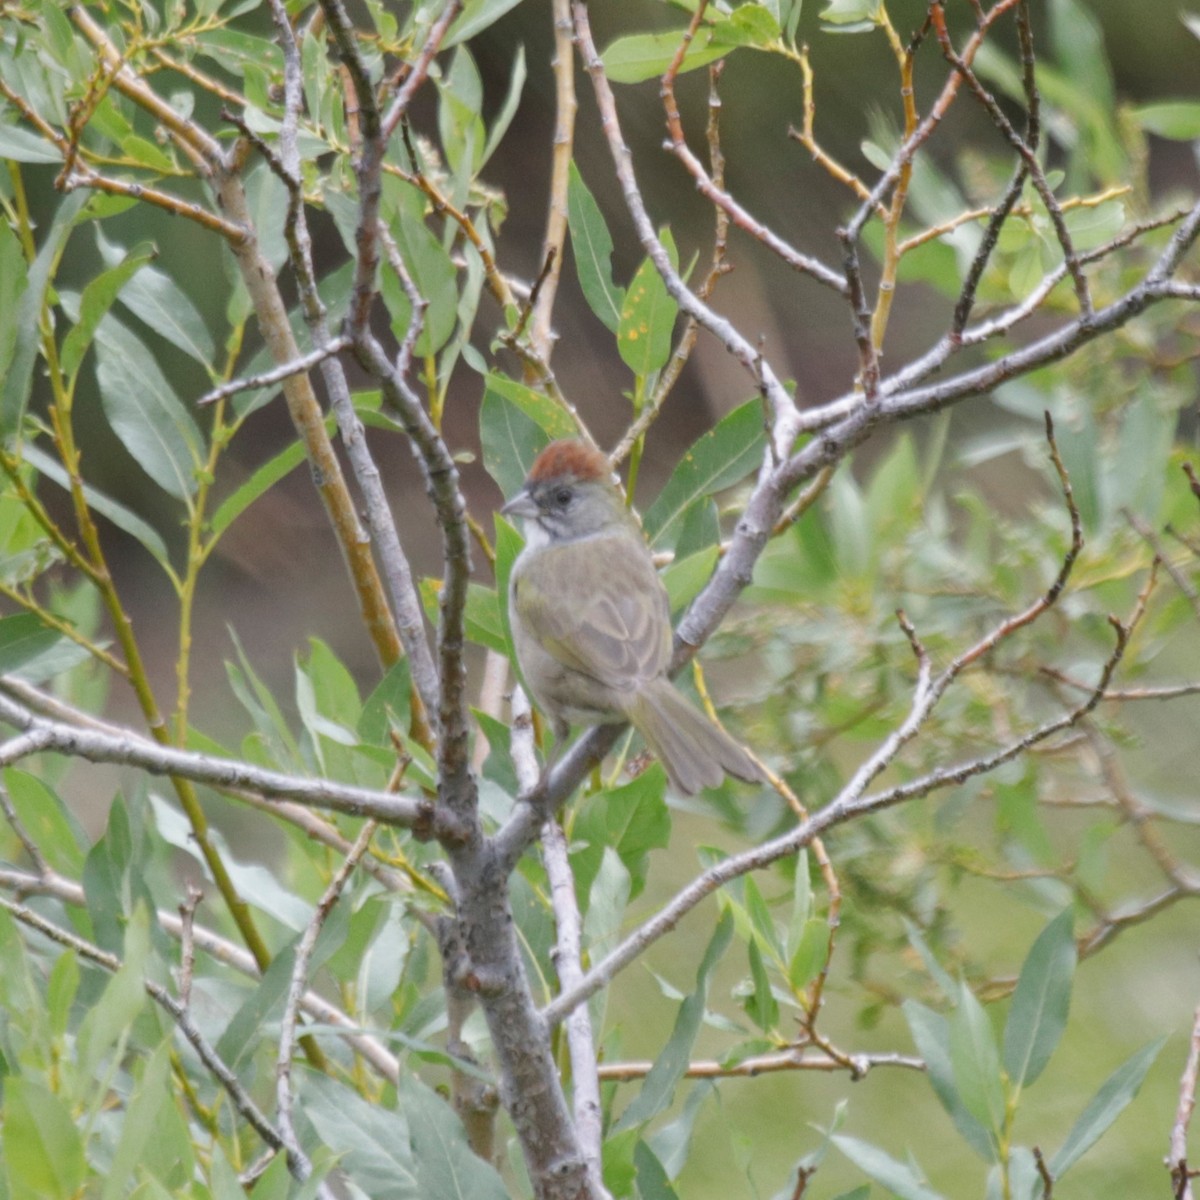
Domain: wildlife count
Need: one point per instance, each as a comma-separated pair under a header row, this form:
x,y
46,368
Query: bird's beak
x,y
521,505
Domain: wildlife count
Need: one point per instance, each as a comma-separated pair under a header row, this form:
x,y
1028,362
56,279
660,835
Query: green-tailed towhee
x,y
591,621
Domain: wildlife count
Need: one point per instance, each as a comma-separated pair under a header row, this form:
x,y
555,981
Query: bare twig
x,y
763,1064
277,374
296,991
1177,1159
221,950
40,733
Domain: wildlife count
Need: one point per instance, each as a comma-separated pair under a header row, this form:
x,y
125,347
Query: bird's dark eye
x,y
563,497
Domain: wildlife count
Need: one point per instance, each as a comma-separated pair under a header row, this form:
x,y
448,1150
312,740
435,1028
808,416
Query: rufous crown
x,y
570,457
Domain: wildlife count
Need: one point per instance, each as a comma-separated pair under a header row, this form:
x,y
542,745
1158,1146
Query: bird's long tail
x,y
695,753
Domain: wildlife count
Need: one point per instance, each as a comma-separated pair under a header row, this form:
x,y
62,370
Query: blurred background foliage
x,y
958,520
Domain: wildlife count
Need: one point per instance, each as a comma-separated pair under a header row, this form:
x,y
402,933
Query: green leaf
x,y
510,442
122,1000
1038,1014
851,527
592,246
811,953
386,706
631,819
1178,120
263,479
97,299
23,335
484,623
266,1001
47,819
931,1036
22,638
976,1062
61,989
144,411
23,145
550,416
13,282
699,528
113,510
668,1069
372,1140
644,55
726,454
476,16
647,322
435,278
153,1140
446,1166
757,24
761,920
652,1180
43,1151
1107,1105
761,1006
899,1178
155,298
508,110
685,577
671,1143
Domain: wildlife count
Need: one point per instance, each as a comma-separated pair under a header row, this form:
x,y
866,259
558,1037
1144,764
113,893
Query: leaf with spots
x,y
647,318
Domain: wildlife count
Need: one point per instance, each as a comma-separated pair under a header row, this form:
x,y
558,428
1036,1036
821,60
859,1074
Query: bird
x,y
591,622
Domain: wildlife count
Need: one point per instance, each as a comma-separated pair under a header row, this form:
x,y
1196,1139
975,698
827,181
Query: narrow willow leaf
x,y
510,442
647,322
508,110
1040,1003
263,479
23,145
113,510
685,577
653,1182
155,298
13,283
976,1062
446,1166
899,1178
931,1035
145,412
43,1151
537,406
642,56
592,246
726,454
811,953
24,334
97,299
761,1006
1178,120
1107,1105
670,1065
22,638
476,16
373,1141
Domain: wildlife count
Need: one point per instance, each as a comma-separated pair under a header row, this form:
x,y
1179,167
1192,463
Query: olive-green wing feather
x,y
611,624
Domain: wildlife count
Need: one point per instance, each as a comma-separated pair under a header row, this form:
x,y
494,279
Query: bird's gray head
x,y
568,494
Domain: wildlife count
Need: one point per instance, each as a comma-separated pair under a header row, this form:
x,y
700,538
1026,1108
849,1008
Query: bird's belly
x,y
566,694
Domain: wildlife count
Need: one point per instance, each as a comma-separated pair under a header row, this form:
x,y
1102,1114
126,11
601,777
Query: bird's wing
x,y
613,624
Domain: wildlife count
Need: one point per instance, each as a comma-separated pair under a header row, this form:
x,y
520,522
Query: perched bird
x,y
592,625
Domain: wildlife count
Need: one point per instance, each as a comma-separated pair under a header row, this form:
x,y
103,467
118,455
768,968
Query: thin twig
x,y
296,991
277,374
1177,1158
40,733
